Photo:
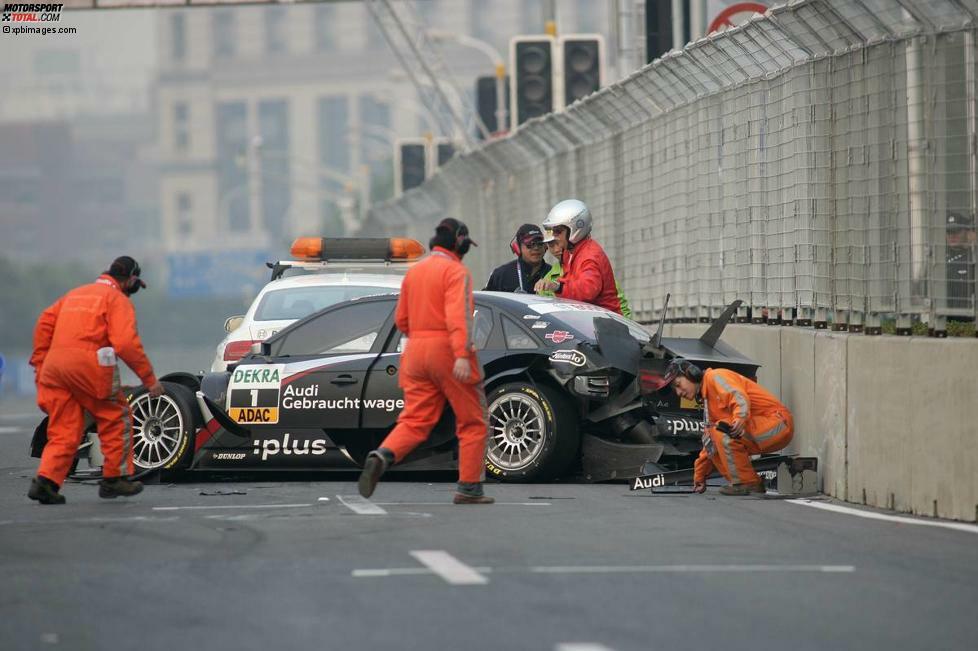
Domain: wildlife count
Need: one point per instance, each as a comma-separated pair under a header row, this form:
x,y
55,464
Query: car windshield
x,y
299,302
581,317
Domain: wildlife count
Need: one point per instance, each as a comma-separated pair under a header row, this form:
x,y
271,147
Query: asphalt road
x,y
308,565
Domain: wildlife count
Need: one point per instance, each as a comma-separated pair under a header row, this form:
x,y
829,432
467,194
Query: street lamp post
x,y
497,61
378,131
350,183
224,205
344,201
412,106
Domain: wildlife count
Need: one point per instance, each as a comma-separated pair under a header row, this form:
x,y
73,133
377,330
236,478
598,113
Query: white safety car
x,y
324,271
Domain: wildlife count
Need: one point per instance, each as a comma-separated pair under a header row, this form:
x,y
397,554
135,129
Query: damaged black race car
x,y
572,389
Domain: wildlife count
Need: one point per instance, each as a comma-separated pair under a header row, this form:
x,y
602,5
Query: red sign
x,y
558,336
734,15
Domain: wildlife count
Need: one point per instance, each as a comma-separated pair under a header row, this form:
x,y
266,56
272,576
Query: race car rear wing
x,y
708,339
707,351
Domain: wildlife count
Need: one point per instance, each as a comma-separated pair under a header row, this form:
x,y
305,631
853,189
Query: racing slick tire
x,y
533,433
163,429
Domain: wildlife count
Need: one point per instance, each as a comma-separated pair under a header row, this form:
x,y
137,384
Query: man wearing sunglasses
x,y
527,269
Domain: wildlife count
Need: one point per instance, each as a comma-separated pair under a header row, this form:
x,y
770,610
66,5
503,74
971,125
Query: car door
x,y
383,398
325,360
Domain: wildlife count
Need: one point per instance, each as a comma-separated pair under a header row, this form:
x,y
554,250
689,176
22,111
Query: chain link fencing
x,y
819,163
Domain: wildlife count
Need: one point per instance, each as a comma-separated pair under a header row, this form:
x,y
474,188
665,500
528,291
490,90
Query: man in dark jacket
x,y
521,274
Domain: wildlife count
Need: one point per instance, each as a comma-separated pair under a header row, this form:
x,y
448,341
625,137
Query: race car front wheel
x,y
162,428
533,433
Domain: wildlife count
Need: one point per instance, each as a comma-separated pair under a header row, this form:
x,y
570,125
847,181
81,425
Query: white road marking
x,y
134,518
402,571
581,646
22,416
49,638
323,499
359,505
238,517
692,569
449,568
872,515
10,430
613,569
230,506
452,504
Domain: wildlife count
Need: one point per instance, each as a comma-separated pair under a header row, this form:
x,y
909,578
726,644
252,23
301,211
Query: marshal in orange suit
x,y
742,418
439,364
77,342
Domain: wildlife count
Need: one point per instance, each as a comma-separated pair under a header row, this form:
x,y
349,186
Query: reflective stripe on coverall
x,y
769,426
434,311
70,380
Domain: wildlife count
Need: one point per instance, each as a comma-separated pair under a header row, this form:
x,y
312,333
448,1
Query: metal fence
x,y
818,163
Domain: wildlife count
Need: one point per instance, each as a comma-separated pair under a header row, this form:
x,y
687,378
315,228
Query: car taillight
x,y
650,381
235,350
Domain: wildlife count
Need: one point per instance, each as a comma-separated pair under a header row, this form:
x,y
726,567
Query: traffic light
x,y
444,151
410,163
531,64
485,100
582,66
416,159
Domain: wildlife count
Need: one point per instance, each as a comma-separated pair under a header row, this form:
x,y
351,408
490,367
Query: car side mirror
x,y
232,323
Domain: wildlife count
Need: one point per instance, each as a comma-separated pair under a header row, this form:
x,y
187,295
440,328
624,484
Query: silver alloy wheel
x,y
157,430
516,431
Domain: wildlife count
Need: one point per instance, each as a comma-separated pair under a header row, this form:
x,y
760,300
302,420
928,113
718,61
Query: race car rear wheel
x,y
533,433
162,428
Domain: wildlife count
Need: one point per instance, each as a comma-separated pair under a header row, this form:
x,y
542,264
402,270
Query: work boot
x,y
743,489
462,498
471,494
376,465
119,486
45,491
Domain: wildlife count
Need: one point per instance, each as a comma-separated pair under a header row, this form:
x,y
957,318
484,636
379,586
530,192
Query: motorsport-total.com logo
x,y
31,13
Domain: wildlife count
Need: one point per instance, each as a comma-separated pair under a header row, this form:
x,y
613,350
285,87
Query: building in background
x,y
206,139
78,190
77,138
271,117
106,68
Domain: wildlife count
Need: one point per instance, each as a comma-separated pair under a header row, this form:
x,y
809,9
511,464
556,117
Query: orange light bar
x,y
317,249
307,248
404,248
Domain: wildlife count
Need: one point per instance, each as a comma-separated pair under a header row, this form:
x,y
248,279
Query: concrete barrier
x,y
913,425
828,429
892,420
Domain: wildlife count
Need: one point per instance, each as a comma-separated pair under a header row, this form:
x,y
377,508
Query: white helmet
x,y
574,215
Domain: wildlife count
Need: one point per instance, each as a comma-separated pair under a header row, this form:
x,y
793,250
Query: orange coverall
x,y
768,426
434,312
70,380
